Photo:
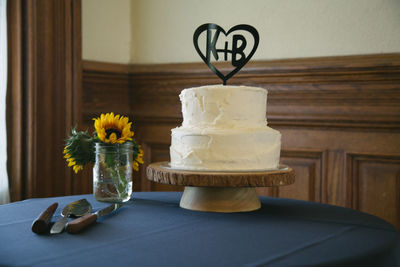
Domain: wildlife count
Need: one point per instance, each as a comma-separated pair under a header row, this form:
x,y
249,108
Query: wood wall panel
x,y
309,173
157,153
336,186
308,168
43,94
155,140
328,110
107,88
376,185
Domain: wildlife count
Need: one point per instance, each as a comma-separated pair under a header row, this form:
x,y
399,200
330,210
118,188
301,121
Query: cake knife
x,y
81,223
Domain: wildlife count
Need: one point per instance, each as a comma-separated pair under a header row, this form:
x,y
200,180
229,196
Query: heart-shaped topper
x,y
237,50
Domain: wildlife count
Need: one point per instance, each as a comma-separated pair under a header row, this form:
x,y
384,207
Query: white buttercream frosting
x,y
224,128
221,106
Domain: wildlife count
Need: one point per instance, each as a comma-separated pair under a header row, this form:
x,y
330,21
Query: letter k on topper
x,y
231,45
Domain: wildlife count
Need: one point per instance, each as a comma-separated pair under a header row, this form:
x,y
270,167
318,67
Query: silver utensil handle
x,y
58,227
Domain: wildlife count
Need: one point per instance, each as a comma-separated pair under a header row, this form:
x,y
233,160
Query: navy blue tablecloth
x,y
152,230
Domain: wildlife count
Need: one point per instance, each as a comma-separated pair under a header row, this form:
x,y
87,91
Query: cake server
x,y
77,208
81,223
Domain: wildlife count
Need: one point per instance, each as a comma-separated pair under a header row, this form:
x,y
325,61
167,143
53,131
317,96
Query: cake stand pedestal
x,y
220,191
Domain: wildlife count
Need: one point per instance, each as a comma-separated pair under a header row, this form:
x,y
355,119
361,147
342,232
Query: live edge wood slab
x,y
220,191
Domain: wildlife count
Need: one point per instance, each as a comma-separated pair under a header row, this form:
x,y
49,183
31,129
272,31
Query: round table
x,y
152,230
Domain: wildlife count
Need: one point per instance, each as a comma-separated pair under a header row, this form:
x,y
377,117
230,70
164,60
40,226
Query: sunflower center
x,y
111,131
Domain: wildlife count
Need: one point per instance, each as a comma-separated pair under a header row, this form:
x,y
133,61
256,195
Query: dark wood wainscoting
x,y
339,118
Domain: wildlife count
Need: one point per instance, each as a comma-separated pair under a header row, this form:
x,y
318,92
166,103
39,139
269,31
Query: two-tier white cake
x,y
224,129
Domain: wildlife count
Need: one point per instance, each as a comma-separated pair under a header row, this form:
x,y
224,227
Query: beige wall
x,y
106,30
158,31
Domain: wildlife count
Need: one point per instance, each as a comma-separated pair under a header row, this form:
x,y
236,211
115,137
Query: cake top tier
x,y
222,106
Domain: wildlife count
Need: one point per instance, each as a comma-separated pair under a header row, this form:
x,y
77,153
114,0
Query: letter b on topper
x,y
237,49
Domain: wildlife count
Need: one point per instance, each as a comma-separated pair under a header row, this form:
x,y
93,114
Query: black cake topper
x,y
237,51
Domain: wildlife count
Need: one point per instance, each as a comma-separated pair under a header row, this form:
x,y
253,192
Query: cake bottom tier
x,y
225,150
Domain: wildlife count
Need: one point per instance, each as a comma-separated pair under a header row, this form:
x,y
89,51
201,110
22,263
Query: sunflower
x,y
113,129
78,150
139,159
71,161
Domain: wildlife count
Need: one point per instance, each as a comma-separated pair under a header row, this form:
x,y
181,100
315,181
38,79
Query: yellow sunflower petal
x,y
77,168
105,121
127,131
113,138
71,163
101,134
116,120
135,166
111,118
124,121
97,124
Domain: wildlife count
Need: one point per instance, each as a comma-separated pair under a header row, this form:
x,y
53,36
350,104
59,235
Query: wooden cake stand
x,y
220,191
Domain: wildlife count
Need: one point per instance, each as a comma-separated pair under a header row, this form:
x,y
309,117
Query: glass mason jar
x,y
112,172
